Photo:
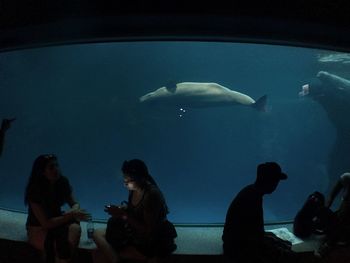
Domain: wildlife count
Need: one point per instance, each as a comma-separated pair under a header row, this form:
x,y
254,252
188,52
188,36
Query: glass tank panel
x,y
92,106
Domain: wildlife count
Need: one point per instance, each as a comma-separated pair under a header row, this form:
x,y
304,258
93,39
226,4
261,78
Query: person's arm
x,y
72,202
152,208
5,125
52,222
75,208
122,213
2,139
335,191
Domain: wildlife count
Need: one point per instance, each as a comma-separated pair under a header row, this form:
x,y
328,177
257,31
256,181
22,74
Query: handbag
x,y
118,234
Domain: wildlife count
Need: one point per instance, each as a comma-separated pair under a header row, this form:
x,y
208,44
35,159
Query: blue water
x,y
81,103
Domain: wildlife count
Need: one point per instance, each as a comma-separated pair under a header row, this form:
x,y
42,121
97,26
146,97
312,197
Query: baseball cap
x,y
270,170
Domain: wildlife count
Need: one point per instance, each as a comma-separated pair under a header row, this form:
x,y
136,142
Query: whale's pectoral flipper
x,y
260,104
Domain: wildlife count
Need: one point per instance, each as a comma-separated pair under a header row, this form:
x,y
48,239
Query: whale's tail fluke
x,y
260,104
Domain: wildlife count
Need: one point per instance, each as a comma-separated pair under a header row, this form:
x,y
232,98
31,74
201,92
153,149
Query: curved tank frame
x,y
36,23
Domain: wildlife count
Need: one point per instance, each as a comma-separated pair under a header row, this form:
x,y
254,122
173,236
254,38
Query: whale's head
x,y
313,88
323,76
154,96
147,97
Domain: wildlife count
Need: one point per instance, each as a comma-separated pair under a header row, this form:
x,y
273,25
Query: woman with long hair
x,y
140,229
54,233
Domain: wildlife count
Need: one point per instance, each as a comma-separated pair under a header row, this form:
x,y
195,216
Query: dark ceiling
x,y
310,23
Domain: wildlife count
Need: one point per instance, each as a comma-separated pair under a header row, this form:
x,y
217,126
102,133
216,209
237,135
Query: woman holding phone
x,y
138,229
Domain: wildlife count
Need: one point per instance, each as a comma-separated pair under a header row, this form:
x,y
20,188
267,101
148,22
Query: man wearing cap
x,y
244,237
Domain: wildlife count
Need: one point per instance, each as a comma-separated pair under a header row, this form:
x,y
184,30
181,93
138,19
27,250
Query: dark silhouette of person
x,y
339,230
244,237
139,229
49,230
5,125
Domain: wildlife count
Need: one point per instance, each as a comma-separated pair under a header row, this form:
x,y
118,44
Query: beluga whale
x,y
332,92
201,95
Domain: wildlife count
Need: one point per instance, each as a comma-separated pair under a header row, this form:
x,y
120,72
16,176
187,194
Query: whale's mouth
x,y
305,90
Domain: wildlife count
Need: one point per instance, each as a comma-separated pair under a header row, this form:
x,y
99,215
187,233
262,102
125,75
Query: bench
x,y
194,243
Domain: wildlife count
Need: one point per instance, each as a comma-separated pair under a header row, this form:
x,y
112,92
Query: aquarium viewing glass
x,y
82,103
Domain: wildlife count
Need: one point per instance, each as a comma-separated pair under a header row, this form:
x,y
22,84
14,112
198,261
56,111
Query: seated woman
x,y
139,230
49,229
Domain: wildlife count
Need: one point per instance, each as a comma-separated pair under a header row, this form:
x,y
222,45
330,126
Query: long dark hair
x,y
137,170
37,177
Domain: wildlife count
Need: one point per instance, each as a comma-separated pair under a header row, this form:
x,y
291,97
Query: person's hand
x,y
115,211
75,206
6,124
80,214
